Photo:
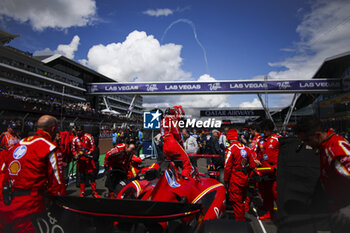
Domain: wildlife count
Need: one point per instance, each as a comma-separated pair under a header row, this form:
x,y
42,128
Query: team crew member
x,y
32,167
254,145
134,167
9,138
268,188
334,153
82,146
117,164
173,144
238,163
254,148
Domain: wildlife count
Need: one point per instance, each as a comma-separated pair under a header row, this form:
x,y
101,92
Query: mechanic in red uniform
x,y
172,141
82,146
9,138
32,167
268,186
117,164
254,145
334,151
134,167
238,163
254,130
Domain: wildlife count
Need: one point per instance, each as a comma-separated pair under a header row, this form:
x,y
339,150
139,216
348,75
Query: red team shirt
x,y
117,158
169,128
254,146
85,142
34,164
335,169
237,157
270,149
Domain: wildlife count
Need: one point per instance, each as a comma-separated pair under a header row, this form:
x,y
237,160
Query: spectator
x,y
190,145
213,147
222,140
121,138
9,138
114,137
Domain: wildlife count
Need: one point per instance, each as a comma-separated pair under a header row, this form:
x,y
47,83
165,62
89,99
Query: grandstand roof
x,y
334,67
6,37
57,59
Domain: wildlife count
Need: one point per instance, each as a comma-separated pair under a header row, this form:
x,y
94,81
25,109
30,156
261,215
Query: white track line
x,y
260,223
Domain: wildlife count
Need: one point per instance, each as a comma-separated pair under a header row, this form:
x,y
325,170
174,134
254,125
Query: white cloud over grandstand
x,y
158,12
67,50
323,32
43,14
141,58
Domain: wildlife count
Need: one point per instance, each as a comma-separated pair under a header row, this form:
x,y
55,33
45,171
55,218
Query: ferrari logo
x,y
14,168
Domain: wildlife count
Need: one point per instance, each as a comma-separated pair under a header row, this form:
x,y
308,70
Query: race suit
x,y
238,162
134,167
117,164
268,188
173,144
32,166
335,169
8,140
82,148
254,148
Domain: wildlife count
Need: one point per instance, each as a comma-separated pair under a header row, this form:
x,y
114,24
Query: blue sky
x,y
241,39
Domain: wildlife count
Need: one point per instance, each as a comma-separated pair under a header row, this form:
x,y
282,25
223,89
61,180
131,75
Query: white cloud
x,y
139,58
67,50
165,11
324,32
254,104
43,14
158,12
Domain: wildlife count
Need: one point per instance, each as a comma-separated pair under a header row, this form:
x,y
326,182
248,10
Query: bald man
x,y
31,168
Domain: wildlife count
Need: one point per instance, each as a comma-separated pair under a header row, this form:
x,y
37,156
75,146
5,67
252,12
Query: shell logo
x,y
14,168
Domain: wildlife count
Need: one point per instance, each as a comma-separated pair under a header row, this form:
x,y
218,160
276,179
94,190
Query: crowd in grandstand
x,y
52,105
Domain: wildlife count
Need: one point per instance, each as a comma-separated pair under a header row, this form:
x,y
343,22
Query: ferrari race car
x,y
158,200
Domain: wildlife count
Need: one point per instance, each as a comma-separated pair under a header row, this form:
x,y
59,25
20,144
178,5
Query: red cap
x,y
232,134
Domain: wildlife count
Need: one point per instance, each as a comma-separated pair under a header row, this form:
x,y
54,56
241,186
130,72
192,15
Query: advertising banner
x,y
220,87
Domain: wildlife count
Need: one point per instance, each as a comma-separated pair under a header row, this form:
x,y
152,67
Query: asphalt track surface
x,y
258,226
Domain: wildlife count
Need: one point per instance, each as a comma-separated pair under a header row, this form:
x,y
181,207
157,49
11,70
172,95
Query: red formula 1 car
x,y
159,200
166,184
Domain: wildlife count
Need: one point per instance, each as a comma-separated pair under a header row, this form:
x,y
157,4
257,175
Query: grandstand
x,y
31,86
